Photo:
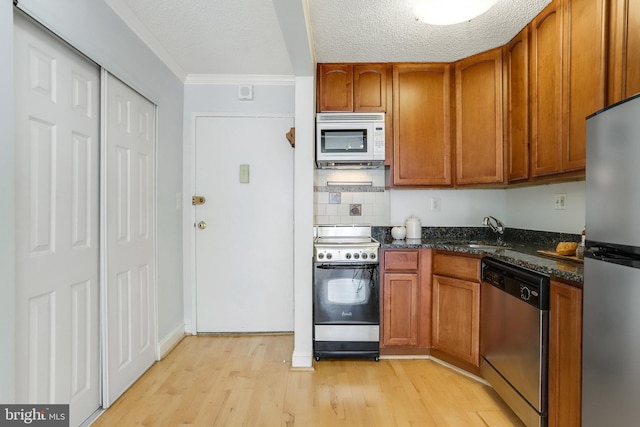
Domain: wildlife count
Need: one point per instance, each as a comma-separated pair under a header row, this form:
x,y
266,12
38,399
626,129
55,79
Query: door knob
x,y
202,225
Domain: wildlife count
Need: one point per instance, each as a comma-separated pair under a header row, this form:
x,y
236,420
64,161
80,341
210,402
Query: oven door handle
x,y
346,266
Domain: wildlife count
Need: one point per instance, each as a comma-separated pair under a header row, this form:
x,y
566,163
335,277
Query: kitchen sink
x,y
485,246
476,244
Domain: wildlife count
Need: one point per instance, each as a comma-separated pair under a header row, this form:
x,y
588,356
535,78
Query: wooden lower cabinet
x,y
456,318
455,309
565,355
405,301
400,305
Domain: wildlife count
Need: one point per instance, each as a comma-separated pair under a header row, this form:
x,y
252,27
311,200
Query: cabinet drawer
x,y
457,266
401,260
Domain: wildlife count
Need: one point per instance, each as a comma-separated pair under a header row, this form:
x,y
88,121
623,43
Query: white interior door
x,y
57,116
244,257
130,237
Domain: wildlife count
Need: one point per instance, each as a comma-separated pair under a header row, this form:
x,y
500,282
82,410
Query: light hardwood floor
x,y
247,380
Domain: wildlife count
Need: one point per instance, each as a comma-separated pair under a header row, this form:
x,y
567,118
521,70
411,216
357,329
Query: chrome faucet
x,y
498,228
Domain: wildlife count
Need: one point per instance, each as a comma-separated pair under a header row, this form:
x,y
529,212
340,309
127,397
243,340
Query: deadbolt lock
x,y
202,225
198,200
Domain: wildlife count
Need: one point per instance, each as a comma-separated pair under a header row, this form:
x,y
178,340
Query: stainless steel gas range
x,y
346,299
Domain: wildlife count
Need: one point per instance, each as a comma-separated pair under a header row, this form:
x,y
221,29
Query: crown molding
x,y
240,79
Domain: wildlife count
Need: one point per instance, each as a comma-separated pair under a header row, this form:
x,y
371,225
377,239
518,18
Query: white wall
x,y
529,208
222,98
461,208
93,28
533,208
303,221
7,235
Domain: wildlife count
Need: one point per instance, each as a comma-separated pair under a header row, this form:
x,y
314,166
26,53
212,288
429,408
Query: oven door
x,y
346,294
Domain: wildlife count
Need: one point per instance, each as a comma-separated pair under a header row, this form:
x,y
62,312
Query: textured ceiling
x,y
386,31
213,37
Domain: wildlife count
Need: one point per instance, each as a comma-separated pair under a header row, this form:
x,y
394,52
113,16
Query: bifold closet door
x,y
57,122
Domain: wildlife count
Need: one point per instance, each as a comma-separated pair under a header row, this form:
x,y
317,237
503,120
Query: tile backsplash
x,y
351,197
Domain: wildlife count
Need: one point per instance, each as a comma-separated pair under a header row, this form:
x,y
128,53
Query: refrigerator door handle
x,y
613,256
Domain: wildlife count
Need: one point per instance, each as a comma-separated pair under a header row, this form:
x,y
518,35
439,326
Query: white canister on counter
x,y
414,227
398,233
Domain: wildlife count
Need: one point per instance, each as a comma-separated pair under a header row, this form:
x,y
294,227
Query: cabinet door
x,y
335,87
546,91
479,141
624,50
584,73
456,318
458,266
516,94
400,309
400,260
565,349
370,87
422,125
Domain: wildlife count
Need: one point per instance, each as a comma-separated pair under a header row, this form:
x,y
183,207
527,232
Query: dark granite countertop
x,y
521,249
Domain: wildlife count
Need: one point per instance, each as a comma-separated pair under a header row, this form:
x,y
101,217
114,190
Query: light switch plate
x,y
244,174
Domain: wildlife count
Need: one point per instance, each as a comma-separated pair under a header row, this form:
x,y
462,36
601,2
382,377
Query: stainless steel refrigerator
x,y
611,295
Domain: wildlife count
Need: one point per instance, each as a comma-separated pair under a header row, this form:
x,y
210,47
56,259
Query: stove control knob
x,y
356,256
373,255
347,255
365,256
320,255
329,256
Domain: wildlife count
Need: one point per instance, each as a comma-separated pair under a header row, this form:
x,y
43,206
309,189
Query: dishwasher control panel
x,y
526,285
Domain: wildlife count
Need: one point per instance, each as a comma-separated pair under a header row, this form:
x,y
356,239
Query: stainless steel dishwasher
x,y
514,337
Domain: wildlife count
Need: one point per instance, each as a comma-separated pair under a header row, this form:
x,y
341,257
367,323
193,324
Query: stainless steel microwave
x,y
350,140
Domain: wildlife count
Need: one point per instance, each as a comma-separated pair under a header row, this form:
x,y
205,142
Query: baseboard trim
x,y
460,370
301,360
169,342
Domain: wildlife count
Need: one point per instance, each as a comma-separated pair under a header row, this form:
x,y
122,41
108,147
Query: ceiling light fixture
x,y
447,12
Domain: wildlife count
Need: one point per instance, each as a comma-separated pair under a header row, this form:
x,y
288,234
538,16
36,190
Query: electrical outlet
x,y
560,202
435,204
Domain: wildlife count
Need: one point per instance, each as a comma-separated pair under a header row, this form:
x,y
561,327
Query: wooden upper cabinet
x,y
422,125
370,87
546,91
516,97
352,87
335,87
568,78
479,136
624,50
584,74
